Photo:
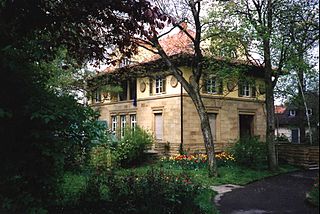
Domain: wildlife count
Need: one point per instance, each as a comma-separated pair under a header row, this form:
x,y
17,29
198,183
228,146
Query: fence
x,y
298,154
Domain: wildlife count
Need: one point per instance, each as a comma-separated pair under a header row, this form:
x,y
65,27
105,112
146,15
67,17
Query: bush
x,y
101,158
70,188
250,152
313,195
154,192
130,149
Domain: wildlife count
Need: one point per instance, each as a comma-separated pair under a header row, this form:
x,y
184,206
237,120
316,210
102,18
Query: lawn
x,y
232,174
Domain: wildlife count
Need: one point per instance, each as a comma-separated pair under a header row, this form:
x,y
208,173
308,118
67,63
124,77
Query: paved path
x,y
279,194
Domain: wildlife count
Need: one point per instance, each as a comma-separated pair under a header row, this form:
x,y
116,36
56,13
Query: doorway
x,y
246,125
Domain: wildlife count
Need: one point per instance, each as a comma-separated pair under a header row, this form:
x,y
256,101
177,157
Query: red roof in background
x,y
178,43
279,109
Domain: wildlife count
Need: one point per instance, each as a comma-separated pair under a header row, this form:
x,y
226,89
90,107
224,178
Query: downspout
x,y
181,119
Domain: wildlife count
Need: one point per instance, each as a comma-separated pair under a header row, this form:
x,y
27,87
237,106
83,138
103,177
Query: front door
x,y
246,125
295,135
158,126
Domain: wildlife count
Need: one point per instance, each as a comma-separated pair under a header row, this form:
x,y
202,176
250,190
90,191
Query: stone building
x,y
152,98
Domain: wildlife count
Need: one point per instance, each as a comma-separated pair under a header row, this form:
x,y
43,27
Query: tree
x,y
304,33
151,38
44,132
263,28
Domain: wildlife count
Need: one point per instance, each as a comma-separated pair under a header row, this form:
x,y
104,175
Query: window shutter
x,y
240,89
164,84
204,85
220,89
150,86
254,89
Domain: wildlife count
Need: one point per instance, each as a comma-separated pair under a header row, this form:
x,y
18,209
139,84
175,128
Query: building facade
x,y
160,105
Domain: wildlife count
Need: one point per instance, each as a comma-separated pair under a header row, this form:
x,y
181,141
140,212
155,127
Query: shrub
x,y
154,192
70,188
101,158
313,195
130,149
250,152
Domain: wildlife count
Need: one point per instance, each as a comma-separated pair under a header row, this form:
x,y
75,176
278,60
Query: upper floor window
x,y
213,86
96,96
292,113
246,89
157,86
309,111
124,62
160,85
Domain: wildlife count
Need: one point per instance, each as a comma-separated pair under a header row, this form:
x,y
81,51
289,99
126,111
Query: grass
x,y
227,174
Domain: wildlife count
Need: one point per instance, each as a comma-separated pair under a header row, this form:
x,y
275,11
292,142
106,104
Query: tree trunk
x,y
206,132
303,108
194,93
272,158
301,112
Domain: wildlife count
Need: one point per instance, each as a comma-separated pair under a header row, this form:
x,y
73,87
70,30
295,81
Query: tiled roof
x,y
175,45
279,109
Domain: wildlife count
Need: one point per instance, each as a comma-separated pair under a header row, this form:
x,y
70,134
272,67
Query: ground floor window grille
x,y
122,125
133,121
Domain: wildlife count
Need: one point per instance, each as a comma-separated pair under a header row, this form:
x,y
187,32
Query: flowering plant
x,y
195,161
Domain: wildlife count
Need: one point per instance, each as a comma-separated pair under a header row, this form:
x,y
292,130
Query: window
x,y
133,121
246,89
122,125
292,113
96,96
124,62
309,112
160,84
114,123
213,85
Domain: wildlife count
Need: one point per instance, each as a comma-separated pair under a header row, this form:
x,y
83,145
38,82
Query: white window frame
x,y
246,89
114,124
211,86
159,82
122,125
292,113
133,121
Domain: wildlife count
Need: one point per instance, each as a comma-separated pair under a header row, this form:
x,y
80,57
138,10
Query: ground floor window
x,y
114,123
122,125
133,121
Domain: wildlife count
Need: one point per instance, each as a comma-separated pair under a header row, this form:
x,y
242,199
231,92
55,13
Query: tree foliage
x,y
43,129
267,32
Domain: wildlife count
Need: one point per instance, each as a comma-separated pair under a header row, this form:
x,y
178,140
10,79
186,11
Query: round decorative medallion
x,y
231,85
142,86
262,89
173,82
